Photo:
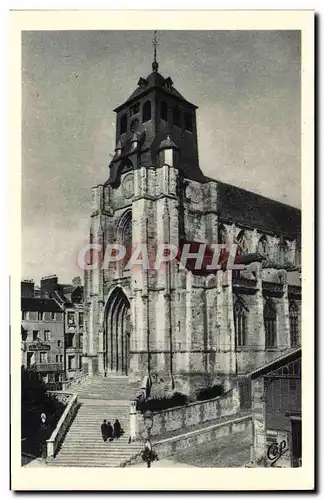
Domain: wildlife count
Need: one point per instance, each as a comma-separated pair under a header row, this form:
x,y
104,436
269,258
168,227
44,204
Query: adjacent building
x,y
52,328
42,329
277,414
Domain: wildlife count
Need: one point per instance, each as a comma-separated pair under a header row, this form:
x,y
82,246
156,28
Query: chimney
x,y
48,285
27,288
77,281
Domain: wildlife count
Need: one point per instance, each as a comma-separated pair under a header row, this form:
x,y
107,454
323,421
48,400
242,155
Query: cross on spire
x,y
155,44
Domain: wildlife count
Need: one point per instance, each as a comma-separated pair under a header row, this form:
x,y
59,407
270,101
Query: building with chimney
x,y
183,326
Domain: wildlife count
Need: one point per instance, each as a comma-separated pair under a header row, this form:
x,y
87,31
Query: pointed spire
x,y
155,65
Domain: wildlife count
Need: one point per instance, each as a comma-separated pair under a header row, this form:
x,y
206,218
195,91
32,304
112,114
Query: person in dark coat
x,y
117,429
110,431
104,430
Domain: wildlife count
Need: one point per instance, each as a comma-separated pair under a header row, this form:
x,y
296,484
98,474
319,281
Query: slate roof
x,y
39,305
252,209
154,80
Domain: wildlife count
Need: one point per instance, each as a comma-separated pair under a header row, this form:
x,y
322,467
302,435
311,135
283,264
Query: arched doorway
x,y
117,333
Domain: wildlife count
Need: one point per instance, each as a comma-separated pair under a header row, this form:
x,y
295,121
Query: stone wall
x,y
183,417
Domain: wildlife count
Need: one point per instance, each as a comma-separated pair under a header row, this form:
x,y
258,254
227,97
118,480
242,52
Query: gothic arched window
x,y
127,230
270,324
164,111
176,116
263,246
146,111
123,124
188,122
240,322
242,246
294,324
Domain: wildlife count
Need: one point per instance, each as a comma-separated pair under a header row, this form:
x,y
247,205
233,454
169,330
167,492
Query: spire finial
x,y
155,65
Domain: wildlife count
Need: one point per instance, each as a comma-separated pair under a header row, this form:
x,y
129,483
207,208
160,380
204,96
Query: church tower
x,y
153,112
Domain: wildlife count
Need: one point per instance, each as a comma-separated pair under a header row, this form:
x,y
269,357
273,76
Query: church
x,y
185,327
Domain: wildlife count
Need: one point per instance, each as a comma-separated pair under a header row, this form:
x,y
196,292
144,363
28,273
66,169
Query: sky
x,y
246,85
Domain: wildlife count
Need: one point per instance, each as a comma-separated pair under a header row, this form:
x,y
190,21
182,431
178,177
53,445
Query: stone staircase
x,y
107,388
100,398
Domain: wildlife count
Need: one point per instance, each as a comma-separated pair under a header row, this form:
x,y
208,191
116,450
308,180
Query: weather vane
x,y
155,45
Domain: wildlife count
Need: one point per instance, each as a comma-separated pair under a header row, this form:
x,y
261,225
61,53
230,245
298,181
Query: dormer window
x,y
123,124
188,122
176,116
146,111
135,109
164,111
168,82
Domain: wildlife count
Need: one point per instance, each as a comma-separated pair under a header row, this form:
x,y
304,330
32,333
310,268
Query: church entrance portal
x,y
117,333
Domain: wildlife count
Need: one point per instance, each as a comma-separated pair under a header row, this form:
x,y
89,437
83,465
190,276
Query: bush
x,y
209,392
163,403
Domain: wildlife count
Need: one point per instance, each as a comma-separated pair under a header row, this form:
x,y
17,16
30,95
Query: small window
x,y
57,377
188,122
123,124
263,246
80,362
71,362
81,340
146,111
24,315
53,316
43,357
47,335
59,343
71,318
80,319
61,359
176,116
57,358
35,335
45,378
135,109
164,110
69,340
40,316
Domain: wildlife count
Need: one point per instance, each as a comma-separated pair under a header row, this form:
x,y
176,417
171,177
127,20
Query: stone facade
x,y
172,322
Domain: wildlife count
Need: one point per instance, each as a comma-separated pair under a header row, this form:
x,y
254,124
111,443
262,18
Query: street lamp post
x,y
148,455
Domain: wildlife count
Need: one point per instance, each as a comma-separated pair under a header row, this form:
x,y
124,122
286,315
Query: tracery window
x,y
242,245
270,324
240,322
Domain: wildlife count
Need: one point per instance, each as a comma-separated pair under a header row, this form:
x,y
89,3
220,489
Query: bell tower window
x,y
164,111
176,116
188,122
123,124
146,111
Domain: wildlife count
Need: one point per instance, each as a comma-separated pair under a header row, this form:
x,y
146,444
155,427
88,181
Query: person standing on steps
x,y
110,431
104,430
117,429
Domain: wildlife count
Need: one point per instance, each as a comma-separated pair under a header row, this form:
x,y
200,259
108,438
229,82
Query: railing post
x,y
133,420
